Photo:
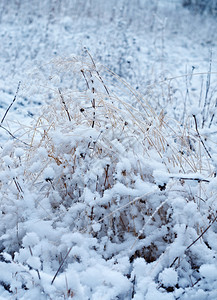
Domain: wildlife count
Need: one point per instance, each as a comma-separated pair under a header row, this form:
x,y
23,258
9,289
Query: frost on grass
x,y
108,201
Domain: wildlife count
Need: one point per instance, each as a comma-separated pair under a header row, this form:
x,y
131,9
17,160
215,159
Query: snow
x,y
208,271
49,173
34,262
96,227
19,152
108,152
168,277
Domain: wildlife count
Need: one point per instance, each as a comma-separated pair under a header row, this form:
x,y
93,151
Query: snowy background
x,y
140,41
108,153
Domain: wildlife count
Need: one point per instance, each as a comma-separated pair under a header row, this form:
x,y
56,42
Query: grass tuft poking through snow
x,y
109,201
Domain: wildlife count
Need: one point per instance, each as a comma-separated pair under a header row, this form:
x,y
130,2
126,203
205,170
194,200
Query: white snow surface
x,y
108,158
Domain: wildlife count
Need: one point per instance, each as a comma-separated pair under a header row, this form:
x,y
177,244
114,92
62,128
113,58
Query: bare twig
x,y
189,178
64,104
93,101
213,115
67,254
201,90
206,104
133,282
18,87
82,72
208,227
18,185
186,97
30,250
94,65
2,120
14,137
213,221
202,142
196,282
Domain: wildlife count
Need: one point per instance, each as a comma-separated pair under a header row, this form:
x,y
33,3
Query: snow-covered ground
x,y
108,152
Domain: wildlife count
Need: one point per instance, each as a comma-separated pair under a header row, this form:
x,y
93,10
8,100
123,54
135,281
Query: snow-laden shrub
x,y
106,198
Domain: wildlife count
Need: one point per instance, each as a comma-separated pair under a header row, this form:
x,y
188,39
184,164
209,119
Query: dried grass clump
x,y
98,165
103,152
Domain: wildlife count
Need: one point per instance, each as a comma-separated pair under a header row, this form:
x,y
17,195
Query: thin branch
x,y
93,101
213,221
213,115
67,254
82,72
185,101
2,120
85,49
64,104
133,282
202,142
18,186
205,111
18,87
187,178
14,137
39,277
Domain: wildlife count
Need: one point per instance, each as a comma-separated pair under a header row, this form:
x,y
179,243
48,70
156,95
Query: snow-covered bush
x,y
106,199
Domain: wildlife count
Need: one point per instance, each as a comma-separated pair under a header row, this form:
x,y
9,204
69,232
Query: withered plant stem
x,y
202,142
64,104
14,137
207,228
18,87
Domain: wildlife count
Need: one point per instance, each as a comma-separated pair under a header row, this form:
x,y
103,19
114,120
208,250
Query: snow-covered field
x,y
108,150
